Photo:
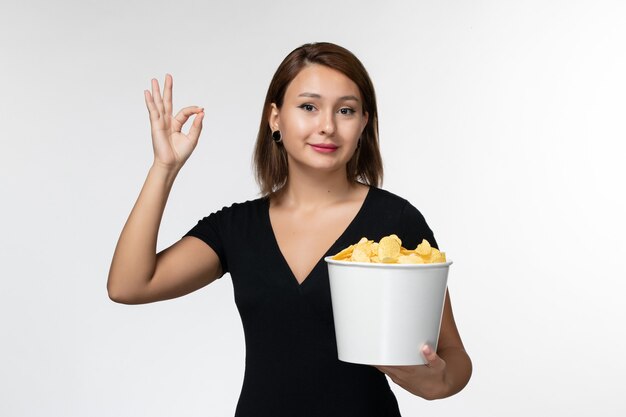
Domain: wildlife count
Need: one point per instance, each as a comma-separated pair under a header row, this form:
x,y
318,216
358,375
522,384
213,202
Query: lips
x,y
324,147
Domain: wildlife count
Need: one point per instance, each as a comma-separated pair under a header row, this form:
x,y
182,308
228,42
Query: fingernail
x,y
427,350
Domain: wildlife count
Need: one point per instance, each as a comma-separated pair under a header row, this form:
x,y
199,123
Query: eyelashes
x,y
307,107
345,111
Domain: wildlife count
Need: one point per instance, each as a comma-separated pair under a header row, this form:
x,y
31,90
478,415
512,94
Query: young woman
x,y
318,166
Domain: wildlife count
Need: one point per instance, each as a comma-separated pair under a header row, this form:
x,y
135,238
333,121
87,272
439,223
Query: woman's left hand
x,y
427,381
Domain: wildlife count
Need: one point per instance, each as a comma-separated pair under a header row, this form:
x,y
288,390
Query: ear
x,y
274,118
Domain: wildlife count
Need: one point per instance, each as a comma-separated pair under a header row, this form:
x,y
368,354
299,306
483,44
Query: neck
x,y
310,190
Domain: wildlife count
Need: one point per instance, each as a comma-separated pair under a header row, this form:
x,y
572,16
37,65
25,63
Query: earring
x,y
277,136
358,144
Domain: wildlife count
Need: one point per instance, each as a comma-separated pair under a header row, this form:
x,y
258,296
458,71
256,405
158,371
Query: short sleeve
x,y
211,231
413,228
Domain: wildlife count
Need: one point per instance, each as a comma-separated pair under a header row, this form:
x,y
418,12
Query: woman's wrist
x,y
163,172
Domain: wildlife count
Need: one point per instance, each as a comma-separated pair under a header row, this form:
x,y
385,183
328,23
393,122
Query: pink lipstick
x,y
324,148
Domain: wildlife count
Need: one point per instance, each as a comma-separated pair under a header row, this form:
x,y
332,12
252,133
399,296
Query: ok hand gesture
x,y
171,146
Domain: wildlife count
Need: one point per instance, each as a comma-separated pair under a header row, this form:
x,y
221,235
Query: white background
x,y
502,121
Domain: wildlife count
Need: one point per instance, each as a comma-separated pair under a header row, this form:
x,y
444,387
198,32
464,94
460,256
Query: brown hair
x,y
270,159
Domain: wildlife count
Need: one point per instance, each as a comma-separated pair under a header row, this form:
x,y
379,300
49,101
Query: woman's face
x,y
321,119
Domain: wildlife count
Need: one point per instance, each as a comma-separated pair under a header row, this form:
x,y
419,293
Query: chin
x,y
327,163
329,168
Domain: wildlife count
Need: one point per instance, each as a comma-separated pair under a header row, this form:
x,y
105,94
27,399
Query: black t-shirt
x,y
291,352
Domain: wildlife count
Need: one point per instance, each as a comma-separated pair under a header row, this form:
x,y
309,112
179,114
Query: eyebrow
x,y
343,98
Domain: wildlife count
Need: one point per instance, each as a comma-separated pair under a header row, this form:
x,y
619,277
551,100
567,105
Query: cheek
x,y
295,125
352,130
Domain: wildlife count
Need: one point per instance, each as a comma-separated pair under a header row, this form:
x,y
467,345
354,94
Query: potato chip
x,y
360,255
410,259
423,249
365,246
404,251
344,254
436,256
390,250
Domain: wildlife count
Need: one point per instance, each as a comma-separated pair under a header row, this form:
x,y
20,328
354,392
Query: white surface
x,y
385,313
502,121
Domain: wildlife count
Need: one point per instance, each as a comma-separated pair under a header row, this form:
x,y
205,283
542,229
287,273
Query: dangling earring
x,y
358,144
277,136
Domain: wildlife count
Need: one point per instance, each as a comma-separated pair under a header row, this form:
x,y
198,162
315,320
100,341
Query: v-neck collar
x,y
328,251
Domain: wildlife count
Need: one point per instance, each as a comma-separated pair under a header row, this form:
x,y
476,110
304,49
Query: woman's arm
x,y
448,370
137,273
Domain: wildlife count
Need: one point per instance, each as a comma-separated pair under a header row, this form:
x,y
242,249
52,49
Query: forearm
x,y
447,372
458,370
134,258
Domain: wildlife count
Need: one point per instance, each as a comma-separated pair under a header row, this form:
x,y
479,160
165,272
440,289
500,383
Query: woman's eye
x,y
346,111
307,107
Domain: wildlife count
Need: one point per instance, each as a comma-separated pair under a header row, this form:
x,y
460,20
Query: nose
x,y
327,123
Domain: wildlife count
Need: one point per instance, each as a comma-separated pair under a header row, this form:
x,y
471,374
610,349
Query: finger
x,y
196,127
183,115
156,94
167,94
432,359
152,110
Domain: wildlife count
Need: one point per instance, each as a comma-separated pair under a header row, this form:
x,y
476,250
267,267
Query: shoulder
x,y
242,208
409,222
238,214
387,196
390,202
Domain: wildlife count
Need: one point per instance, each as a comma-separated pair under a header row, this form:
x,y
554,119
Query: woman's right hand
x,y
171,146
